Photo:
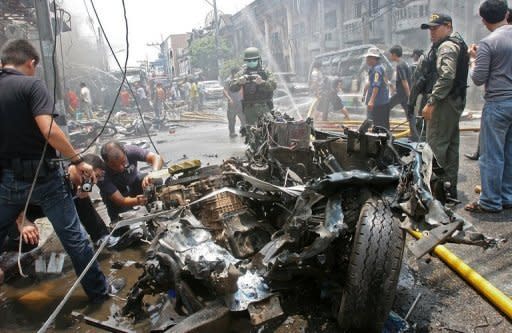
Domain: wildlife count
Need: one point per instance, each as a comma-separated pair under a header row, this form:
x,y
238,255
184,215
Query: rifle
x,y
418,88
424,78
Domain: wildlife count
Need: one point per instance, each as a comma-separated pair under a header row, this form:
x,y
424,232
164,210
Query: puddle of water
x,y
26,304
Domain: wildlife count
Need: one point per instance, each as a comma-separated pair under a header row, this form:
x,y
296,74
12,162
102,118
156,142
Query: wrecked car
x,y
332,208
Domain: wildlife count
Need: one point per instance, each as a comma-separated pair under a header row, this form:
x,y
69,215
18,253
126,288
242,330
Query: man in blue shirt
x,y
377,95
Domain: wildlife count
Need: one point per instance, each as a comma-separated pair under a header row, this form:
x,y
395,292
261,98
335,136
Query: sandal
x,y
475,207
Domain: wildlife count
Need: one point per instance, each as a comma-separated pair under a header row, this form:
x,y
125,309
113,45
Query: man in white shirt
x,y
86,101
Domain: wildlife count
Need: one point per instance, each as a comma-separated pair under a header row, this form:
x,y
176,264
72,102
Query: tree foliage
x,y
227,65
203,55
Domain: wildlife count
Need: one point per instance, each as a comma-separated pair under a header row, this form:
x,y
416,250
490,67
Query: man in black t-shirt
x,y
122,186
403,88
26,113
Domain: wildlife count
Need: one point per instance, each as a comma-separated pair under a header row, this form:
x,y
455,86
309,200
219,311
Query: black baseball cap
x,y
436,19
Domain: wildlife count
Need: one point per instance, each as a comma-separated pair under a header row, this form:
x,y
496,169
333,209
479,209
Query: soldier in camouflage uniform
x,y
258,86
446,72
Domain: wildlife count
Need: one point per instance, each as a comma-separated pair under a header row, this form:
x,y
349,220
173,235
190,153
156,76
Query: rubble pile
x,y
303,205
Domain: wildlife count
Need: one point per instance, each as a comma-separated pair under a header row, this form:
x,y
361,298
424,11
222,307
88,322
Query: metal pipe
x,y
495,296
412,307
391,122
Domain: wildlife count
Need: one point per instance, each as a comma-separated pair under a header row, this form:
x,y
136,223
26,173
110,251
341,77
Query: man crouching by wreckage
x,y
122,186
29,141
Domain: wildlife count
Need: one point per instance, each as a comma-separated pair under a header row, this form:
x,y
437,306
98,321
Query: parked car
x,y
212,89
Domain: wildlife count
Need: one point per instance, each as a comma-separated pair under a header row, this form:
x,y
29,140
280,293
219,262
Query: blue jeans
x,y
54,197
496,155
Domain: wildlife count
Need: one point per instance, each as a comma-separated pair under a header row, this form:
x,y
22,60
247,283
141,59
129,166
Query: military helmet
x,y
251,53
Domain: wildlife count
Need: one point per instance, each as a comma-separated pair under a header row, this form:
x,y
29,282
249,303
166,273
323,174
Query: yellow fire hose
x,y
399,132
484,287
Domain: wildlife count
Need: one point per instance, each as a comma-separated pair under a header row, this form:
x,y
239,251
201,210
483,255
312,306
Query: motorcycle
x,y
82,132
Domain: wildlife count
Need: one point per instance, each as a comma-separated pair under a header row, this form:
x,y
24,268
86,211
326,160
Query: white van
x,y
349,66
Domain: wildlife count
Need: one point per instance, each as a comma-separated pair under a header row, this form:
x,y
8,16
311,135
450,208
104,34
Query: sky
x,y
149,21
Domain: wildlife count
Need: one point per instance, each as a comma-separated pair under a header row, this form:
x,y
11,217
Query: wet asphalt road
x,y
447,303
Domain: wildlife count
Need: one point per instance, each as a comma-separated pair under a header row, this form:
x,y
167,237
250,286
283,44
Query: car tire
x,y
373,271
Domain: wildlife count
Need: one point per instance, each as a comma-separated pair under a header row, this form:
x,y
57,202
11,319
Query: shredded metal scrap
x,y
231,234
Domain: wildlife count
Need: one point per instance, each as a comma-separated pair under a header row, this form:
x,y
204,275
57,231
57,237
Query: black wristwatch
x,y
77,161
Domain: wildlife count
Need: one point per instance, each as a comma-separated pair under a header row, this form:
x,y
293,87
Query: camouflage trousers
x,y
444,138
253,111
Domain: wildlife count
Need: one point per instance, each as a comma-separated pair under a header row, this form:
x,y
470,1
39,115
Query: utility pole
x,y
213,3
47,43
166,50
216,21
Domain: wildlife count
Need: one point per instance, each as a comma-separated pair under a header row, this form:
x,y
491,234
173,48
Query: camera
x,y
86,185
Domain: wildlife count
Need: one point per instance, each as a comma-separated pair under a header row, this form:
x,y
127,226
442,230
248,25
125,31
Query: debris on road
x,y
234,235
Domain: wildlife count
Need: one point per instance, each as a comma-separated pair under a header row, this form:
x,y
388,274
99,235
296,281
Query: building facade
x,y
291,33
288,32
179,55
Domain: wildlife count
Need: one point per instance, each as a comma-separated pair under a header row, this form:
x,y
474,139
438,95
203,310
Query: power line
x,y
74,286
124,77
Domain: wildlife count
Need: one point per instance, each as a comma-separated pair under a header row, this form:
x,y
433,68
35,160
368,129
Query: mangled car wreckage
x,y
302,203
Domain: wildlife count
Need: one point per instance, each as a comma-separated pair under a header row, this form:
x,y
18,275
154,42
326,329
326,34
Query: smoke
x,y
82,56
